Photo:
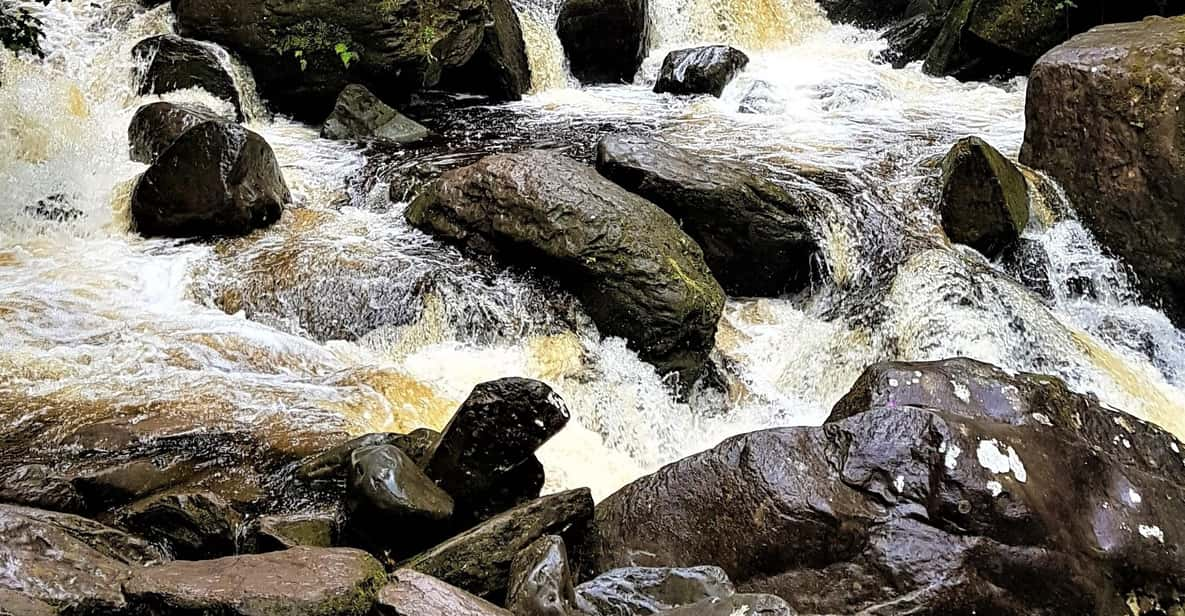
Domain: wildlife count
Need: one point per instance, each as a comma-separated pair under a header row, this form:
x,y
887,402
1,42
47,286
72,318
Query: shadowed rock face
x,y
1104,119
359,115
985,200
499,69
605,41
935,488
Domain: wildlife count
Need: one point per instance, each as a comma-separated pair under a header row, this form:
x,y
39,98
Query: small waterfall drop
x,y
545,53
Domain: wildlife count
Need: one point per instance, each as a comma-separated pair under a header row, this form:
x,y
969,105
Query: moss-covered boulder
x,y
985,198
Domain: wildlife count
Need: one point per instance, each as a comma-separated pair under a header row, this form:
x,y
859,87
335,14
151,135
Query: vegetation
x,y
20,29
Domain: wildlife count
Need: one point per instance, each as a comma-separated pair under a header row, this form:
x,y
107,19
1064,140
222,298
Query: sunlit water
x,y
342,318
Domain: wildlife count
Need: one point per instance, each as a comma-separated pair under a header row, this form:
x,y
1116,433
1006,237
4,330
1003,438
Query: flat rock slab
x,y
412,593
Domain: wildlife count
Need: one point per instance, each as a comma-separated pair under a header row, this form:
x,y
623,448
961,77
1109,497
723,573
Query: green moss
x,y
313,35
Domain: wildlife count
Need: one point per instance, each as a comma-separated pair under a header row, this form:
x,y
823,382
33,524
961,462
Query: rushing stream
x,y
342,317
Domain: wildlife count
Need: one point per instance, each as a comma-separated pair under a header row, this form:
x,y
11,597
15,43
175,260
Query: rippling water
x,y
342,318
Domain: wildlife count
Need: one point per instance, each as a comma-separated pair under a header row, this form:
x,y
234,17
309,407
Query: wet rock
x,y
193,526
940,488
335,463
175,63
216,179
122,483
412,593
309,51
753,232
910,40
360,115
499,69
541,580
1029,264
837,95
747,604
1103,119
700,70
865,13
54,208
637,275
479,559
271,533
37,485
985,199
388,491
495,431
632,591
13,603
605,41
157,125
337,581
762,98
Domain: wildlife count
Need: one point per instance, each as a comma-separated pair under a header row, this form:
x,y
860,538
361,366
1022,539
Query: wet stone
x,y
541,580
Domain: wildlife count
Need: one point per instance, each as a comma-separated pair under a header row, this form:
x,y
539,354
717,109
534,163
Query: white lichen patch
x,y
1173,446
1042,418
995,487
961,391
1127,443
893,382
1018,469
899,483
1122,423
952,456
997,461
1152,532
1134,497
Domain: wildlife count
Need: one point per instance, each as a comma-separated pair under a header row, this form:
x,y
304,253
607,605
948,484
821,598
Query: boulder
x,y
391,505
753,232
700,70
499,69
985,198
411,593
541,580
174,63
631,591
335,463
193,526
359,115
38,486
306,581
1103,119
946,487
120,483
747,604
637,274
303,54
216,179
479,560
271,533
605,41
865,13
157,125
910,40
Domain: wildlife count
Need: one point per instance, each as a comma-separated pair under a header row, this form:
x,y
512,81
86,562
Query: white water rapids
x,y
341,317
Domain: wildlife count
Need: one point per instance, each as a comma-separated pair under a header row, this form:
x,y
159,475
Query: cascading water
x,y
341,317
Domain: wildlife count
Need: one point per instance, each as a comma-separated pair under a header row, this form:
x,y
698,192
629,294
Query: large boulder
x,y
1103,118
637,274
753,232
304,53
217,178
156,126
934,488
700,70
605,40
985,197
910,40
392,505
174,63
359,115
499,69
412,593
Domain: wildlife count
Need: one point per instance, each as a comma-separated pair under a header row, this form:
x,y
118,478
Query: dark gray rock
x,y
865,13
700,70
388,490
175,63
157,125
541,580
194,526
637,591
1027,262
499,69
985,197
359,115
605,41
910,40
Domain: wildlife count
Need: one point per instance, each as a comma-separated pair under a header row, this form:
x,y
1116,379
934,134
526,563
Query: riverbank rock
x,y
156,126
175,63
753,232
217,178
193,526
328,581
636,273
700,70
651,590
541,580
499,69
304,53
945,487
359,115
985,198
411,593
1103,119
605,40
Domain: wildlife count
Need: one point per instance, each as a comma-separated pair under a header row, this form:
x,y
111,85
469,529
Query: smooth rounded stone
x,y
746,604
753,232
630,591
171,62
985,198
37,485
411,593
1028,262
359,115
946,487
605,41
310,50
71,563
297,582
541,580
499,69
216,179
157,125
700,70
1118,155
271,533
387,487
479,559
193,526
495,431
762,98
334,463
636,273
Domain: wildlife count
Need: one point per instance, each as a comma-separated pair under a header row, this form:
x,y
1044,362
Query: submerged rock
x,y
217,178
499,69
175,63
700,70
636,273
157,125
747,604
651,590
541,580
753,232
1028,262
1103,119
412,593
193,526
762,98
985,198
359,115
605,41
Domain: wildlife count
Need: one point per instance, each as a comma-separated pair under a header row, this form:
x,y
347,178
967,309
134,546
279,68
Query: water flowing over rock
x,y
605,40
175,63
910,40
700,70
946,487
157,125
38,486
748,604
541,580
1103,118
499,69
412,593
359,115
753,232
763,98
637,275
985,199
651,590
217,178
